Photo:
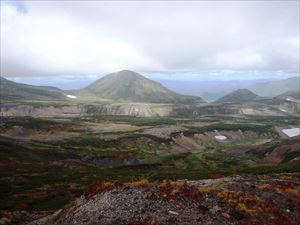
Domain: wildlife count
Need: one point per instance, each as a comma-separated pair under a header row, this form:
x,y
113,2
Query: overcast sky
x,y
74,38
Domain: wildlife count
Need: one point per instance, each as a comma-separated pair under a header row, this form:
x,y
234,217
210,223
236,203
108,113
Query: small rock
x,y
226,215
215,209
173,212
4,220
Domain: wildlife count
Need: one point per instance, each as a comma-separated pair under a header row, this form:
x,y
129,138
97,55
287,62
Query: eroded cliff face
x,y
139,110
42,111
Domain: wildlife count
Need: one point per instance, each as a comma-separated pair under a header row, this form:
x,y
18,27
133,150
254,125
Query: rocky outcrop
x,y
251,199
138,109
42,111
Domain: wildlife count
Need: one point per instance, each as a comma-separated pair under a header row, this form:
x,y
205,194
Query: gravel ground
x,y
251,199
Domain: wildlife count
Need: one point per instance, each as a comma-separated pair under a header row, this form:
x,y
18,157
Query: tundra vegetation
x,y
39,173
148,155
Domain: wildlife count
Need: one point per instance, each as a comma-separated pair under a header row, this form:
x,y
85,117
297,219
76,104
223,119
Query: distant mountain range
x,y
245,95
125,85
130,86
239,96
214,89
15,91
276,87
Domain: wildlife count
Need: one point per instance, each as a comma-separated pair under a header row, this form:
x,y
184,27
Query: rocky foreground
x,y
243,199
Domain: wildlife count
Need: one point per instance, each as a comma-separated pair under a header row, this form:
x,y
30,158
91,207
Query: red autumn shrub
x,y
215,175
99,187
21,205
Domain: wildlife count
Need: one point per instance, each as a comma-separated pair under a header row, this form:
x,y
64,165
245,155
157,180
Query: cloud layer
x,y
42,38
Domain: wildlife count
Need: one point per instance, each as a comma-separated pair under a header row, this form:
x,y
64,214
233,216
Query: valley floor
x,y
47,163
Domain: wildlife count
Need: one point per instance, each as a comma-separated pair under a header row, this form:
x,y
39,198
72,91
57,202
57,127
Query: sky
x,y
83,40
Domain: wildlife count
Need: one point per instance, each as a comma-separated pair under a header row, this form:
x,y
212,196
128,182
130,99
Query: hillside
x,y
238,96
276,87
16,91
252,199
294,94
130,86
209,90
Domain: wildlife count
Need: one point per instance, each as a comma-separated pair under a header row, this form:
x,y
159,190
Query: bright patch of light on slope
x,y
221,137
292,132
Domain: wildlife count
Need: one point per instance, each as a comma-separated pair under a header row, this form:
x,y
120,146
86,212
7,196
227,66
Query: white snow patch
x,y
221,137
71,96
292,132
291,99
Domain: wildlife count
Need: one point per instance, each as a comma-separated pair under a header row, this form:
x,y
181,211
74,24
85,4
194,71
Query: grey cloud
x,y
52,37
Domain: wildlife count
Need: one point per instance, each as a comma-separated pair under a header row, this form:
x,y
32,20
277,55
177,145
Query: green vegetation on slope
x,y
45,175
130,86
238,96
15,91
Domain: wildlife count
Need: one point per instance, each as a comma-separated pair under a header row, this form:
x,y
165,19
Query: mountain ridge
x,y
12,90
294,94
130,86
276,87
238,96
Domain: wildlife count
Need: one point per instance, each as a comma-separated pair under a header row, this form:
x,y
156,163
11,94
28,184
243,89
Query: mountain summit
x,y
239,96
127,85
